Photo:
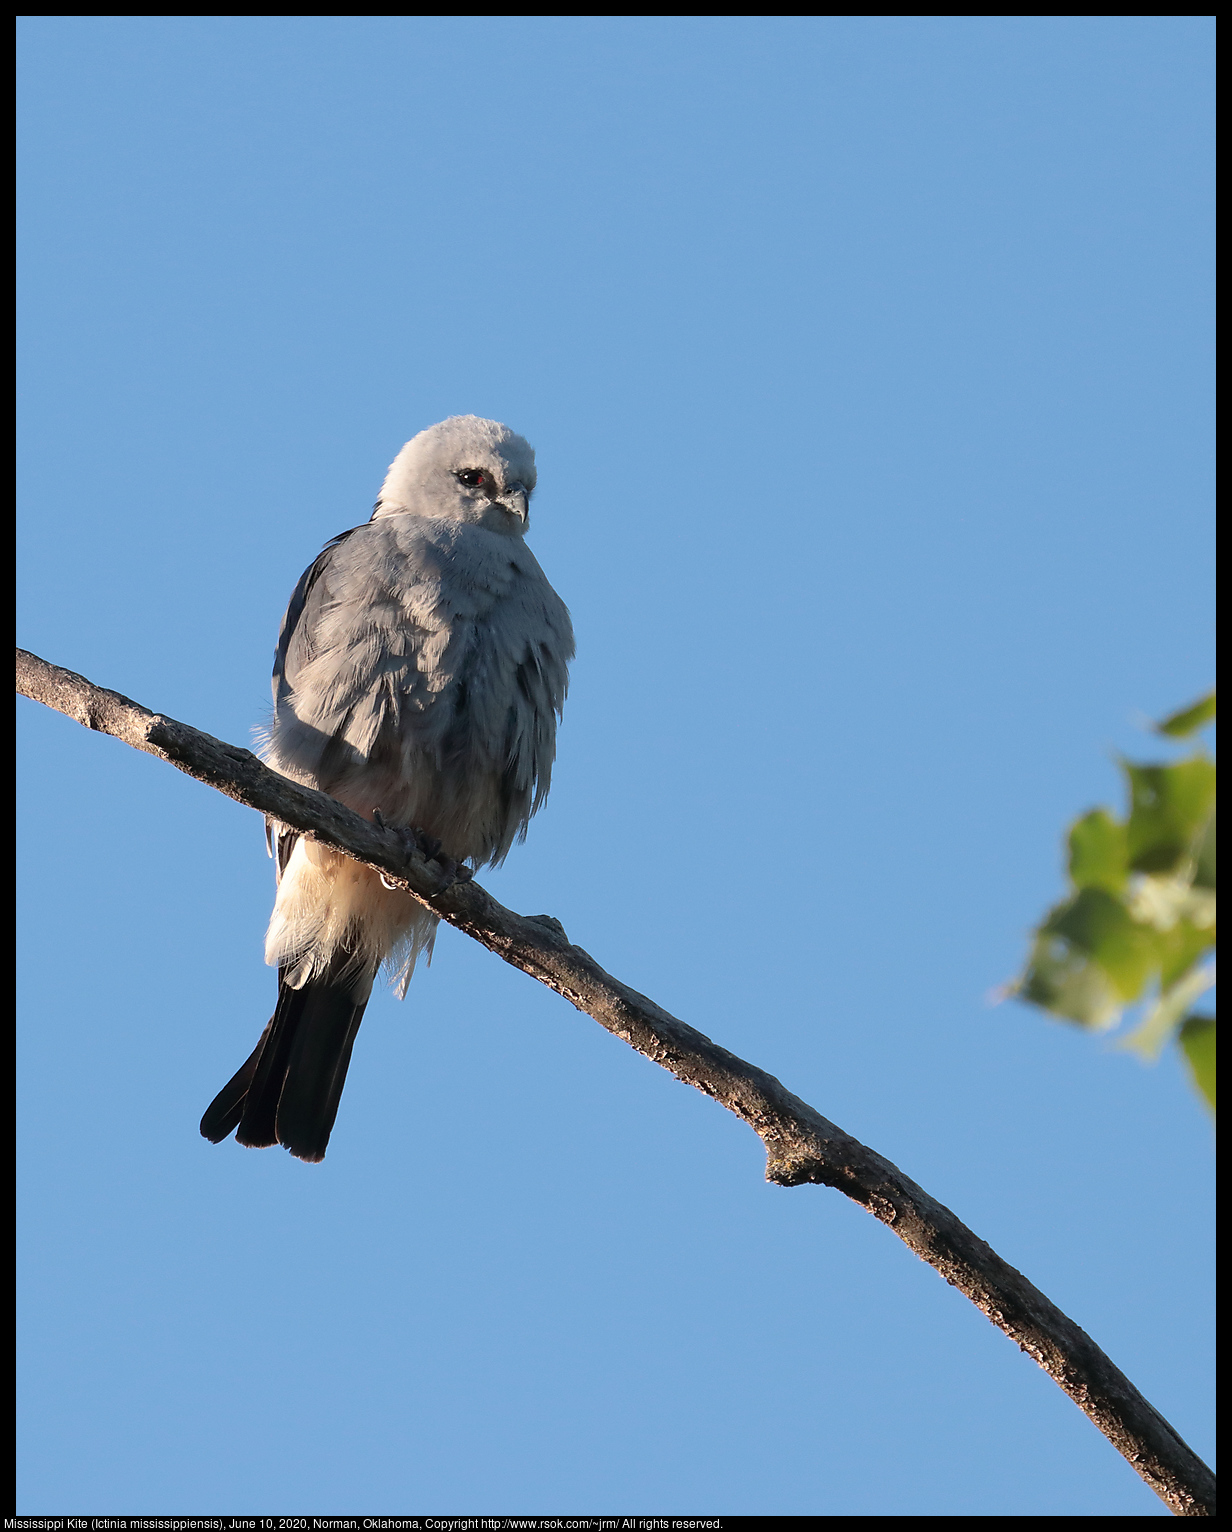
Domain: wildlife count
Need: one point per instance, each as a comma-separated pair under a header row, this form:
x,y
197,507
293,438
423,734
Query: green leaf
x,y
1161,1018
1091,959
1170,807
1096,923
1197,1040
1180,948
1204,869
1099,852
1064,980
1188,720
1165,902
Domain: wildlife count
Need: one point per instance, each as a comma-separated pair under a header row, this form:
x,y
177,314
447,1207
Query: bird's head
x,y
464,469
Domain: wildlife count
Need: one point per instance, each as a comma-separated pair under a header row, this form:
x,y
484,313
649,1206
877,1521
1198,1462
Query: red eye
x,y
472,477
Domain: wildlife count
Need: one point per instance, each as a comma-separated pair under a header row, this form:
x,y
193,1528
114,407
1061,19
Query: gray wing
x,y
280,838
343,649
294,613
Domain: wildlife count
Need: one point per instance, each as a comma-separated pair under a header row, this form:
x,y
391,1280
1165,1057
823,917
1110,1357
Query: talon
x,y
449,873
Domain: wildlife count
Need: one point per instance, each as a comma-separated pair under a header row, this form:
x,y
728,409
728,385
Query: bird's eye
x,y
473,477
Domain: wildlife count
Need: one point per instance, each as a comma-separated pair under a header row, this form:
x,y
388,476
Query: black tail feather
x,y
317,1072
223,1114
288,1091
258,1124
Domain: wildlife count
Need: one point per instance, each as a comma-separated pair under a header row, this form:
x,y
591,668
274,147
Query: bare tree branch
x,y
801,1145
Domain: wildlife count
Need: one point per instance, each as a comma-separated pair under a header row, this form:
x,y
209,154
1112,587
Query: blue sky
x,y
868,363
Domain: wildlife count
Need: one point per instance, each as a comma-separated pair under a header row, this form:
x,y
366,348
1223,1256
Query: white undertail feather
x,y
327,901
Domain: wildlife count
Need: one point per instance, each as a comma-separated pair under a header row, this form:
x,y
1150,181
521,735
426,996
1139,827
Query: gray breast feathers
x,y
421,669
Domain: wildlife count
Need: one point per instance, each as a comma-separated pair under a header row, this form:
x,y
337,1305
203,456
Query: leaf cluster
x,y
1138,925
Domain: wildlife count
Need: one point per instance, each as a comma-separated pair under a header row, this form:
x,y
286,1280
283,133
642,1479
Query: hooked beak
x,y
517,501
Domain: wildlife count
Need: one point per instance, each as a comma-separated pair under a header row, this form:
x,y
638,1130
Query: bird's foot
x,y
415,841
451,872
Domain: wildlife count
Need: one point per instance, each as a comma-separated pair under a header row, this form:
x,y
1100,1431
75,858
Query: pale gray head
x,y
464,469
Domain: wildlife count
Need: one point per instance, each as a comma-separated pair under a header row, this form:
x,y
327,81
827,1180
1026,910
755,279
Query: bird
x,y
419,678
